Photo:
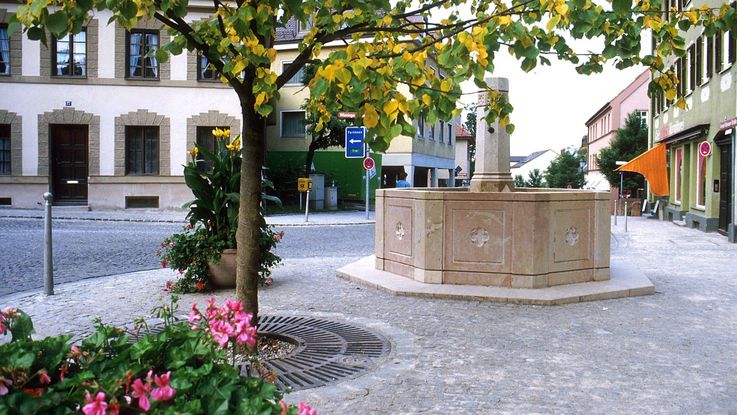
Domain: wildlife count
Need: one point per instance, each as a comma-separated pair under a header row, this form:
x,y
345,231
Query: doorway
x,y
69,163
725,187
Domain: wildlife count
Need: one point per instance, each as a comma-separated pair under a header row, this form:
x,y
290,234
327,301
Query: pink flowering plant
x,y
183,368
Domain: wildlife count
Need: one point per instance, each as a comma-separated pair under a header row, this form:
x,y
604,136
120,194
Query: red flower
x,y
200,286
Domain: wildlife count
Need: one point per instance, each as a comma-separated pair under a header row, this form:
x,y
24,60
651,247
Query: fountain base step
x,y
625,281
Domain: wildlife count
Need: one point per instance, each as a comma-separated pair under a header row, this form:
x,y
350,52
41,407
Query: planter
x,y
222,275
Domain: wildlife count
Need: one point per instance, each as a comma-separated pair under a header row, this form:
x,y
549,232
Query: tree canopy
x,y
565,171
630,141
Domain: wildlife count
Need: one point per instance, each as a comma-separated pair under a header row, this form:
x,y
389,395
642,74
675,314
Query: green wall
x,y
348,173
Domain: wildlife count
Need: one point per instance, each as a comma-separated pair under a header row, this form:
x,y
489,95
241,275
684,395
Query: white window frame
x,y
289,83
700,204
281,125
726,64
678,179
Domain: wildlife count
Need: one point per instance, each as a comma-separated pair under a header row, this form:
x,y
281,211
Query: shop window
x,y
701,181
678,179
69,55
142,150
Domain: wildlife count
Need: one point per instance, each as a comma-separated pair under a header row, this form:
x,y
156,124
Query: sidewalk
x,y
343,217
672,352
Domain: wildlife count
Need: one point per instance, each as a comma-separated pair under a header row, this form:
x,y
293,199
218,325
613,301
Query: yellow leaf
x,y
238,67
505,20
260,98
426,100
391,108
370,117
271,53
446,85
562,9
670,94
343,75
553,22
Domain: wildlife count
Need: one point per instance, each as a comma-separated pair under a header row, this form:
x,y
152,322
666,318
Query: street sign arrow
x,y
354,142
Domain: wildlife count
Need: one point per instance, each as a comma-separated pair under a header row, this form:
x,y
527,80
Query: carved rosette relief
x,y
572,236
479,237
399,231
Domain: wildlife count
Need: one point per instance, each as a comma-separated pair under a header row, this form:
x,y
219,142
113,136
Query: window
x,y
421,126
293,124
69,55
4,51
709,61
298,78
701,180
441,138
450,134
678,179
205,72
643,117
691,68
726,46
431,132
142,44
699,61
4,149
732,49
141,150
206,140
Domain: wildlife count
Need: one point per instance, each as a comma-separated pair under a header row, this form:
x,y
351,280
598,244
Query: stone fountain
x,y
494,242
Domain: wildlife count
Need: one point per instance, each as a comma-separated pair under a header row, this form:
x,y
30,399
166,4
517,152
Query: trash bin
x,y
331,197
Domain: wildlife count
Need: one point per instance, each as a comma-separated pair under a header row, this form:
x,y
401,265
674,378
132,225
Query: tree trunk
x,y
249,213
310,157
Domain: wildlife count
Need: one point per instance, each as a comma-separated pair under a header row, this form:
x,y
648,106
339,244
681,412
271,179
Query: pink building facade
x,y
603,125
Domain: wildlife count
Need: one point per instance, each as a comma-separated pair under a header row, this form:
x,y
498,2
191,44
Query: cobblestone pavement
x,y
84,248
673,352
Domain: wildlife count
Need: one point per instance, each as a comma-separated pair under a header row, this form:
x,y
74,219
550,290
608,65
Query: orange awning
x,y
651,164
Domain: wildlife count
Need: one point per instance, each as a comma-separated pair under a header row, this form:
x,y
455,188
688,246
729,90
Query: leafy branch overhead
x,y
390,62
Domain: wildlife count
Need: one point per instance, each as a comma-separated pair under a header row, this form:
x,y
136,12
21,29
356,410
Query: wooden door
x,y
69,163
725,187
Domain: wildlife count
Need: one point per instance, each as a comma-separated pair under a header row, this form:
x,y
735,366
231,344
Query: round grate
x,y
328,351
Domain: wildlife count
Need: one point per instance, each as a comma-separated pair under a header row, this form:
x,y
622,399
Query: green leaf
x,y
36,33
621,7
57,23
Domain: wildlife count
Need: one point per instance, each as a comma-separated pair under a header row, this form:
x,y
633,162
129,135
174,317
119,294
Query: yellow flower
x,y
235,145
194,152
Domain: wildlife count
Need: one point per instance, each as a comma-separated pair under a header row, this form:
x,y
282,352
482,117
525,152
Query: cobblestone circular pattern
x,y
327,352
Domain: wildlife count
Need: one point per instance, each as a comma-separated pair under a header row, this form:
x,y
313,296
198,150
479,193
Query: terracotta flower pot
x,y
222,275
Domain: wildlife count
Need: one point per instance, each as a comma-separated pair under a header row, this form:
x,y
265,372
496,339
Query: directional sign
x,y
368,163
354,148
372,172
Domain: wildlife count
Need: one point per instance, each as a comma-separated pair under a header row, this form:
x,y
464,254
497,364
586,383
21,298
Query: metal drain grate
x,y
328,351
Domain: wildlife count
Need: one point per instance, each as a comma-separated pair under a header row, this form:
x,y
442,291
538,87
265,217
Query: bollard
x,y
307,206
625,216
615,211
48,252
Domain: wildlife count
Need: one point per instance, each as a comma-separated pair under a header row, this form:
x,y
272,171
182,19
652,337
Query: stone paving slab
x,y
673,352
626,281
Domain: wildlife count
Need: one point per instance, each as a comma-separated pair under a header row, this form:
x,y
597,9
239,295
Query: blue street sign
x,y
354,148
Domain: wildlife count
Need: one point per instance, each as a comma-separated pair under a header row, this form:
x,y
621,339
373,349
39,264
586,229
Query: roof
x,y
526,159
462,133
640,79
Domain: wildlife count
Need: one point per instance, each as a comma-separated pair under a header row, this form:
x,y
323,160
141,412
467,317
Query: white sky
x,y
552,103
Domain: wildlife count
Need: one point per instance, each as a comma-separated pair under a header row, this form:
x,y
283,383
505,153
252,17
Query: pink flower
x,y
96,405
4,383
3,330
43,376
164,392
233,306
268,282
283,407
141,391
114,409
10,311
305,409
171,244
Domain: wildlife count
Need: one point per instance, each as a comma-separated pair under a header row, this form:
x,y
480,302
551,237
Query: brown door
x,y
69,163
725,187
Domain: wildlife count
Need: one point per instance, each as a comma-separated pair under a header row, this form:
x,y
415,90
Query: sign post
x,y
303,186
368,164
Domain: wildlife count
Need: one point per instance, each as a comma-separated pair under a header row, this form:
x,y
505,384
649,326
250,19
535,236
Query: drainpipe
x,y
734,188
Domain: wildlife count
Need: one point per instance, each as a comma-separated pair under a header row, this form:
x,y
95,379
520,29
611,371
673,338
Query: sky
x,y
552,103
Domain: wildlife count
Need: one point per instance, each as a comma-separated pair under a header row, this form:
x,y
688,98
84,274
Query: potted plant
x,y
205,252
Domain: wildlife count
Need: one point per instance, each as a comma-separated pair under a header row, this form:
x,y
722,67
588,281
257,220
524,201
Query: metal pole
x,y
615,211
48,257
625,216
368,185
307,206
